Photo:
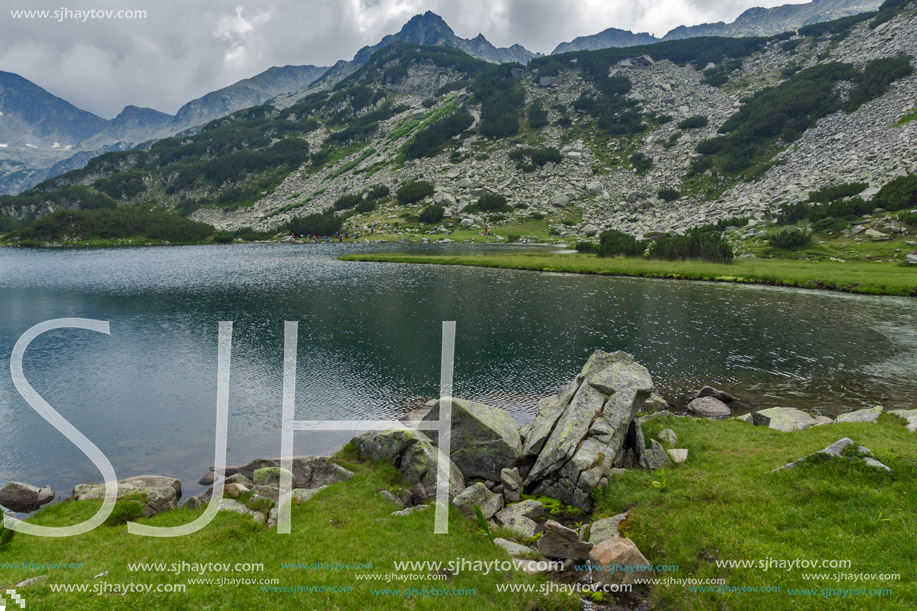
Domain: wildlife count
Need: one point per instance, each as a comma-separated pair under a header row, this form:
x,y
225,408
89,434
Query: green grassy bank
x,y
874,278
723,504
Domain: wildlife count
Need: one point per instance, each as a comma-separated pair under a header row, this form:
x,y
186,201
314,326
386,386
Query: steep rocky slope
x,y
627,124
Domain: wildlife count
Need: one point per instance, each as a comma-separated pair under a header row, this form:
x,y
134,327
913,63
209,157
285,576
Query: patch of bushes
x,y
537,116
116,223
694,122
492,202
668,194
322,223
613,242
830,194
378,192
699,243
347,201
224,237
899,194
432,214
430,141
642,163
413,191
789,238
127,509
908,218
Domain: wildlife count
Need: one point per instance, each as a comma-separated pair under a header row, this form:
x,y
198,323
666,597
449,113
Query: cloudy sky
x,y
185,48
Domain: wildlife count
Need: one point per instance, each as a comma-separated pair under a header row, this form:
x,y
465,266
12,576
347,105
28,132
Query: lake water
x,y
370,341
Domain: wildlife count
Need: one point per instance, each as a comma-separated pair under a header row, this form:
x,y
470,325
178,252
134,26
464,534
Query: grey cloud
x,y
184,48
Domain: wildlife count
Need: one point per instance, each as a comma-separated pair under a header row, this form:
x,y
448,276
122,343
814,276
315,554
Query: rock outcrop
x,y
22,498
585,432
160,493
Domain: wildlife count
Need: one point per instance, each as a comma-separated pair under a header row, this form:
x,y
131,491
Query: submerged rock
x,y
719,395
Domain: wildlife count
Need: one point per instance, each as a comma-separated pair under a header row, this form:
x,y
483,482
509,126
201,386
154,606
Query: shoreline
x,y
853,278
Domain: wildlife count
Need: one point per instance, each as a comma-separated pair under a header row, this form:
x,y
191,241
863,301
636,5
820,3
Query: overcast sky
x,y
185,48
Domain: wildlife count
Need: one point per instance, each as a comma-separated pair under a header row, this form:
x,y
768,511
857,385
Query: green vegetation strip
x,y
865,278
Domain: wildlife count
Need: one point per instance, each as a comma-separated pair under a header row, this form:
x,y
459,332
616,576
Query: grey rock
x,y
835,450
409,510
709,391
862,415
386,445
419,466
512,485
478,495
558,541
668,437
513,548
162,493
708,407
786,419
485,440
22,498
655,457
234,506
387,494
31,581
529,508
909,415
606,528
619,552
678,456
595,412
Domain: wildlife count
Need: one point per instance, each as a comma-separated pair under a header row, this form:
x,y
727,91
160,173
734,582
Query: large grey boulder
x,y
909,416
558,541
785,419
419,464
655,457
606,528
22,498
485,440
308,471
478,495
386,445
520,517
536,432
862,415
161,492
709,407
589,427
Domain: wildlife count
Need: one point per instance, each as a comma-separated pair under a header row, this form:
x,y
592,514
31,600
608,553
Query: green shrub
x,y
908,218
538,116
492,202
428,103
641,162
127,509
538,216
543,156
789,238
347,201
116,223
432,214
829,224
694,122
699,243
367,205
613,242
830,194
378,192
430,141
6,535
224,237
899,194
414,191
668,195
323,224
512,238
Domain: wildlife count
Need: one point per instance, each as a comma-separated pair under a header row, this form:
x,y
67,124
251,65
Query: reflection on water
x,y
369,346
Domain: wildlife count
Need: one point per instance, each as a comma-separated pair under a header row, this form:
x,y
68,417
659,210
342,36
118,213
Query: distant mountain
x,y
428,29
768,21
431,30
30,116
245,94
132,125
612,37
753,22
